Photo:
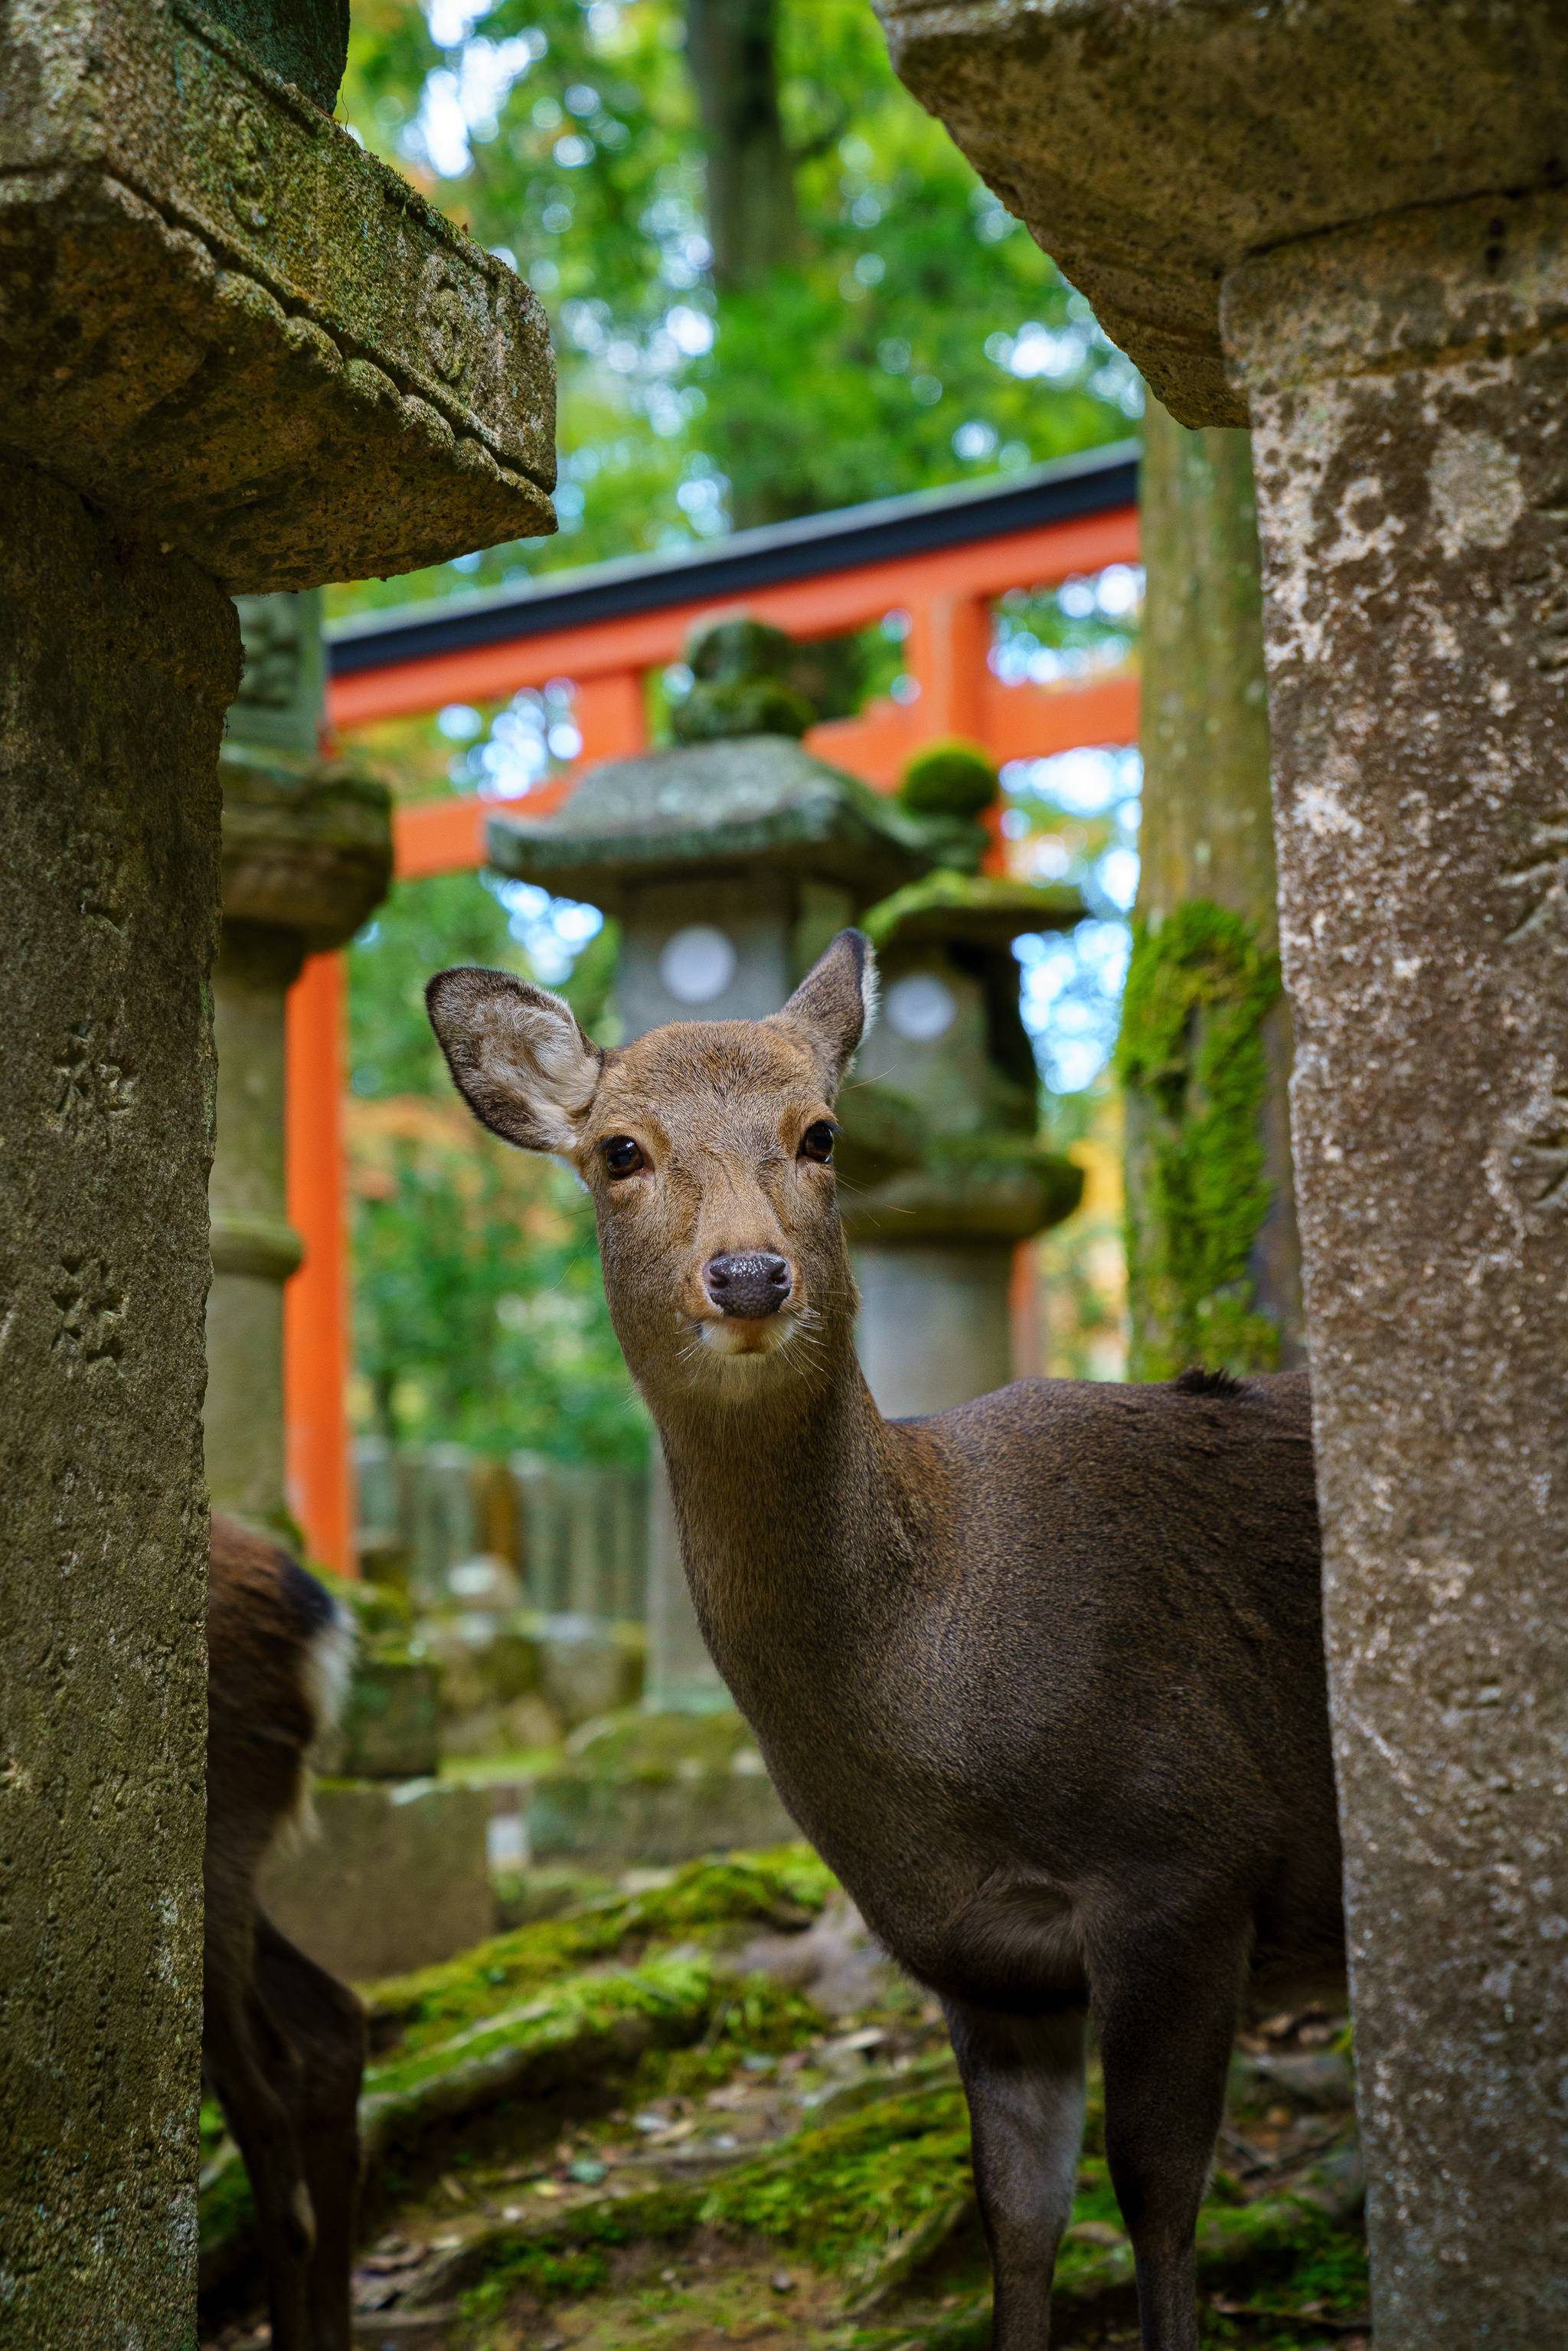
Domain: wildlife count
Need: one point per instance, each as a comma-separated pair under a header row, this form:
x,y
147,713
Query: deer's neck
x,y
801,1522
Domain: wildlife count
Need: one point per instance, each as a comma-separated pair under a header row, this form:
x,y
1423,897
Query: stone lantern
x,y
729,862
934,1242
1346,227
237,355
306,854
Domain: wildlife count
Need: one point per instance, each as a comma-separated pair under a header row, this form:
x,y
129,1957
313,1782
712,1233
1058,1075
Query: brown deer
x,y
282,2042
1041,1678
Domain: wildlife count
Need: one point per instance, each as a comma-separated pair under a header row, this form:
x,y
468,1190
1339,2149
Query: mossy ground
x,y
765,2173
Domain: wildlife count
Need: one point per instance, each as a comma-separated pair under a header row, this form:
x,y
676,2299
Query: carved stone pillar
x,y
235,353
306,854
1295,217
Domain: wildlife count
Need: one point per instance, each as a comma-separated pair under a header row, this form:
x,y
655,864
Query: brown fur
x,y
1041,1678
282,2041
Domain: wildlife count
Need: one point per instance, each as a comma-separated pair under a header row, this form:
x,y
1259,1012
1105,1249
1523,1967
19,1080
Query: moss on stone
x,y
977,909
782,1888
1193,1061
952,779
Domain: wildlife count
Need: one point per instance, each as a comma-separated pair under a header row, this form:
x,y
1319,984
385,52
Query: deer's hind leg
x,y
248,2064
325,2026
1023,2078
1165,2010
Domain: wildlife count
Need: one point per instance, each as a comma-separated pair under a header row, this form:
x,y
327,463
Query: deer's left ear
x,y
517,1055
835,1004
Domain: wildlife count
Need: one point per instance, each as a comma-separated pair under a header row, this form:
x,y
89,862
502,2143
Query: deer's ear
x,y
517,1055
835,1004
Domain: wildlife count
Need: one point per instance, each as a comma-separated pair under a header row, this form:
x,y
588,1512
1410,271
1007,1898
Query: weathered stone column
x,y
306,854
234,354
1396,338
1409,387
118,663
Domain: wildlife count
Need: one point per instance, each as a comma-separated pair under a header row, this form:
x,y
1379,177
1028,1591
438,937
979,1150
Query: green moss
x,y
755,2017
674,1992
1192,1060
978,909
783,1888
951,779
839,2193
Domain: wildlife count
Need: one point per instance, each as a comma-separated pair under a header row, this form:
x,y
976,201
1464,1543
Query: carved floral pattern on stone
x,y
90,1305
93,1086
1542,875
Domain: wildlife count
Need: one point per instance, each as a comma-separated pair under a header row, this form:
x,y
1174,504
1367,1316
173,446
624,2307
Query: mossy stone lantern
x,y
306,854
934,1241
731,859
729,862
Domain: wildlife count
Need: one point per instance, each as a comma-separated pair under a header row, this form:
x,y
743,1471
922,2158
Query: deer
x,y
283,2042
1041,1678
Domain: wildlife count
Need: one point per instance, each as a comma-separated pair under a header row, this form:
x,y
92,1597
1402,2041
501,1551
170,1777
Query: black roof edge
x,y
880,532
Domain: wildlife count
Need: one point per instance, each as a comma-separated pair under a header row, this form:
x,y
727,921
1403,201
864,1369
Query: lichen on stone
x,y
1193,1061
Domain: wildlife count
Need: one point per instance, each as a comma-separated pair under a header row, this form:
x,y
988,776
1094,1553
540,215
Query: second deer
x,y
1041,1678
283,2042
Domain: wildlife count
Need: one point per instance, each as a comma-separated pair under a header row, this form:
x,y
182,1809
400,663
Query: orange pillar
x,y
317,1351
611,715
947,655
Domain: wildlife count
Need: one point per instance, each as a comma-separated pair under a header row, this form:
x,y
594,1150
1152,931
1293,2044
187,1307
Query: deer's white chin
x,y
746,1342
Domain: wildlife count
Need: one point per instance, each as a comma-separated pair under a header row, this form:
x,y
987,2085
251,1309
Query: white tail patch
x,y
326,1666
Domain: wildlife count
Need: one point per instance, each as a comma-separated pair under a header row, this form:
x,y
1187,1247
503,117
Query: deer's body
x,y
282,2040
1020,1665
1042,1677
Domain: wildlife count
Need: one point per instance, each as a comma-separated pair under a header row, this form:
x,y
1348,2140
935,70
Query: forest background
x,y
775,287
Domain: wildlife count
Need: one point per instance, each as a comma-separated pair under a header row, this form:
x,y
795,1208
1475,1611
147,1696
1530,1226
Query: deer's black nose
x,y
752,1284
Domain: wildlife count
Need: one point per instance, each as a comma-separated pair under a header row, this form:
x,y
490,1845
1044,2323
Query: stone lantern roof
x,y
231,326
715,806
975,910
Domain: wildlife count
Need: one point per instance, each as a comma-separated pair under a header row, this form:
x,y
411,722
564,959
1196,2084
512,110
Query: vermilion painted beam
x,y
807,608
1016,722
1035,722
318,1468
448,836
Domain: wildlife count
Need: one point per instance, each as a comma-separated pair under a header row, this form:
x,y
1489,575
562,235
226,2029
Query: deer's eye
x,y
817,1142
621,1156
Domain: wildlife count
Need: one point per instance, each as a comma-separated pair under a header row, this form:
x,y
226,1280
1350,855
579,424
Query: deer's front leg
x,y
1024,2078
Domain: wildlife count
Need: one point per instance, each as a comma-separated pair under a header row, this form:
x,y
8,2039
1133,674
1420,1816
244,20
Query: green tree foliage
x,y
480,1312
911,334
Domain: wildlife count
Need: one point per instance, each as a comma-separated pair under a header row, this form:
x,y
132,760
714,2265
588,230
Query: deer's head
x,y
708,1149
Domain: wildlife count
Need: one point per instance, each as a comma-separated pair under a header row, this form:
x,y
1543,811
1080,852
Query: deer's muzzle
x,y
749,1285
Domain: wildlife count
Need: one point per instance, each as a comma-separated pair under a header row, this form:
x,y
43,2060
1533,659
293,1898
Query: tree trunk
x,y
1214,1261
754,229
753,222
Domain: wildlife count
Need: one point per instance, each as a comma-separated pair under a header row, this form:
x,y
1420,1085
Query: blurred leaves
x,y
919,336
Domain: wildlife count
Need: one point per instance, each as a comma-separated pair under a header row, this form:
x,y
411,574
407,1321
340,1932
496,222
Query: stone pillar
x,y
234,354
118,663
1396,342
306,854
1413,464
935,1323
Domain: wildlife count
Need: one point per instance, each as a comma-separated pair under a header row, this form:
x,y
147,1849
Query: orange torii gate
x,y
943,558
